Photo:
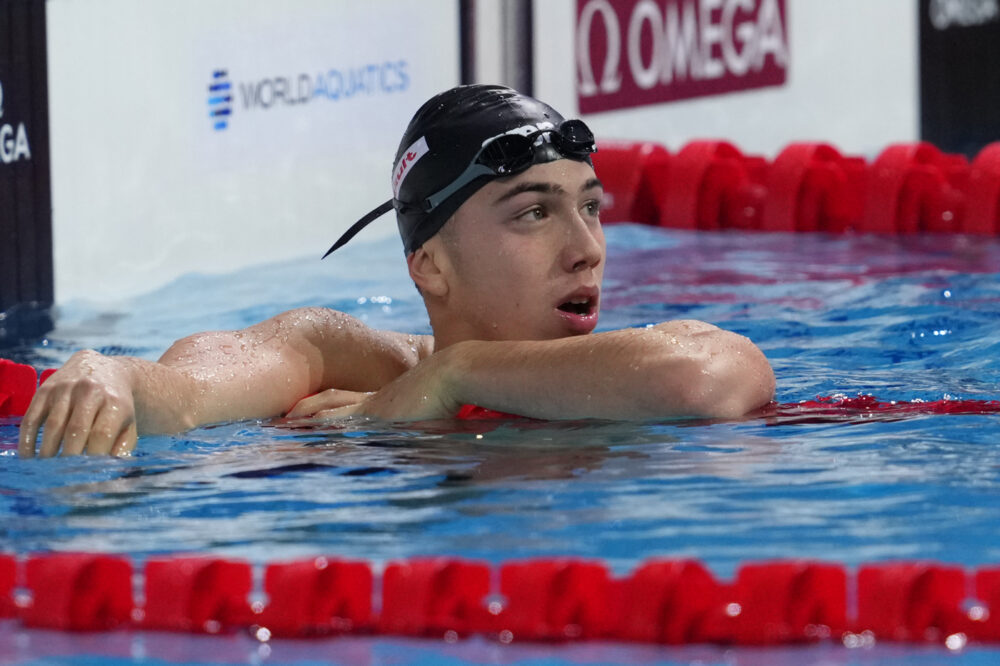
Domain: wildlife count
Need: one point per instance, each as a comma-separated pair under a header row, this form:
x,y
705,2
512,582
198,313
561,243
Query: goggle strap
x,y
471,172
359,225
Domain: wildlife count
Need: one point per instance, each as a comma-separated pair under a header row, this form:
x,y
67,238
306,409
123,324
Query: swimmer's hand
x,y
86,407
424,392
327,404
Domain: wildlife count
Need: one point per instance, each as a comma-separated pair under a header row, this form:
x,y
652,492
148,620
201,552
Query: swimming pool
x,y
903,318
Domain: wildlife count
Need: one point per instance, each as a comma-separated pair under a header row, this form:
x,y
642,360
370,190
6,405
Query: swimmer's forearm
x,y
164,398
631,374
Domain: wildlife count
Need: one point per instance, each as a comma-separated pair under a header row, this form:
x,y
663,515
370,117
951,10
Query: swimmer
x,y
498,207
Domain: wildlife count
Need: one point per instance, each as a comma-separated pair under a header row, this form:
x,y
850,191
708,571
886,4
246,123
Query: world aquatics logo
x,y
342,85
220,99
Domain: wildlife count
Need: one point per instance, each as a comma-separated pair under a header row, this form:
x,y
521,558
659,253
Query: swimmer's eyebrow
x,y
529,186
544,188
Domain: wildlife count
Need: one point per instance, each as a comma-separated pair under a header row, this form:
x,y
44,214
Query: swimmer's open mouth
x,y
578,306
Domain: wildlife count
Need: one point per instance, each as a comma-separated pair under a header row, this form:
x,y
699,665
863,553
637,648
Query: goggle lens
x,y
507,154
512,153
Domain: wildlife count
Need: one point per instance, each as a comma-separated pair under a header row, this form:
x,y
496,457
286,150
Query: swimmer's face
x,y
524,256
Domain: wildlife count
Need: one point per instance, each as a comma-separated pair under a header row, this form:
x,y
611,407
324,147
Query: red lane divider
x,y
632,173
674,602
907,188
556,600
661,601
812,187
987,589
197,594
433,597
8,580
982,202
790,602
912,601
17,386
913,188
317,597
713,185
82,592
865,408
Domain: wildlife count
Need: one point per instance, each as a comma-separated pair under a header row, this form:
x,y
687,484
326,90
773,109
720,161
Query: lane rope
x,y
671,601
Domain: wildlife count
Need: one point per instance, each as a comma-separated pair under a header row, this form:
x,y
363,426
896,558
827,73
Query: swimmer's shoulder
x,y
328,324
686,327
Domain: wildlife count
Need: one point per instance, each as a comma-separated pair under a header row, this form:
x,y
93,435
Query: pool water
x,y
907,318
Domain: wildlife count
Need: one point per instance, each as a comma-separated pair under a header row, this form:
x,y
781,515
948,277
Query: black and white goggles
x,y
509,154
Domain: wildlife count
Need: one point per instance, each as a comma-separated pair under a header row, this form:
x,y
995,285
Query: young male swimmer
x,y
498,206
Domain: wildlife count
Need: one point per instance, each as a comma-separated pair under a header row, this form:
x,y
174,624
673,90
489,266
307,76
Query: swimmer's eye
x,y
533,214
593,208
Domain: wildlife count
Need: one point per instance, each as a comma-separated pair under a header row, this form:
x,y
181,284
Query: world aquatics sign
x,y
228,97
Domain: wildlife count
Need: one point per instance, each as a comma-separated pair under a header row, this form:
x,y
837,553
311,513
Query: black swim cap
x,y
461,139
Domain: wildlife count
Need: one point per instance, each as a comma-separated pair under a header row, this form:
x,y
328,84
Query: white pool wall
x,y
145,190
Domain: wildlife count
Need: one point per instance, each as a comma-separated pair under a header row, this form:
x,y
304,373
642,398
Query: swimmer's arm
x,y
100,404
675,369
264,370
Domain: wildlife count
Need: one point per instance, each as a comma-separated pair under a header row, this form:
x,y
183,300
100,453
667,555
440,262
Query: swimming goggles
x,y
509,154
502,155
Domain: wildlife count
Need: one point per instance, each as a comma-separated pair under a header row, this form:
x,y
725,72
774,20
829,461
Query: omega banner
x,y
637,52
25,198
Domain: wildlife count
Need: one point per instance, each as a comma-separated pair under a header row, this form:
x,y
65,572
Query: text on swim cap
x,y
527,130
410,157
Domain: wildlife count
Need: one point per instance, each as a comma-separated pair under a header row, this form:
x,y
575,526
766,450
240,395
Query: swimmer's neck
x,y
440,342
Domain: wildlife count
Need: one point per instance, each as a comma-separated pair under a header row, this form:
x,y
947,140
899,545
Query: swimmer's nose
x,y
584,247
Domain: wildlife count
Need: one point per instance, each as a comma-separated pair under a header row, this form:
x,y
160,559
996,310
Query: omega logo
x,y
13,139
963,13
693,40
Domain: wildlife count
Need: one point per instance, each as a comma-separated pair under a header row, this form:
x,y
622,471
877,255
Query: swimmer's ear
x,y
428,268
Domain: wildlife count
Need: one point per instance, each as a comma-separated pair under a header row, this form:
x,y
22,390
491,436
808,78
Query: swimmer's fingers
x,y
82,401
330,399
338,412
112,432
80,416
55,425
126,441
31,423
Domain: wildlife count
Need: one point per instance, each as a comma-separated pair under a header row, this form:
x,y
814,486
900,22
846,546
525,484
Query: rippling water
x,y
903,319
